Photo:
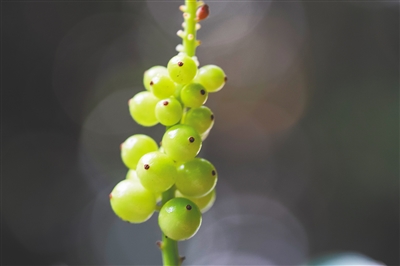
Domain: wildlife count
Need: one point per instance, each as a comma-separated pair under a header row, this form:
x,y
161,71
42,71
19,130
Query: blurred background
x,y
306,139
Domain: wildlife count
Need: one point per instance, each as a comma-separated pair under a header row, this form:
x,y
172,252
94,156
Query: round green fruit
x,y
179,219
134,147
132,202
182,69
204,203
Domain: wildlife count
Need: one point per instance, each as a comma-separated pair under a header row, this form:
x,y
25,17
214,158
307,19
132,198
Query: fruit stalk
x,y
169,247
189,37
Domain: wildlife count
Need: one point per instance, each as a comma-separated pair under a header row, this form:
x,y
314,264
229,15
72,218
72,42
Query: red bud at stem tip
x,y
202,12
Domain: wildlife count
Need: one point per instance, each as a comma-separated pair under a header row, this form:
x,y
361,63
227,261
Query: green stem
x,y
169,247
189,36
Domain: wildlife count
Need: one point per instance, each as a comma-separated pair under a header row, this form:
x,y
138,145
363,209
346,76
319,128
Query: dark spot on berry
x,y
212,117
188,207
146,166
213,172
151,83
180,63
203,92
191,139
165,103
226,79
166,236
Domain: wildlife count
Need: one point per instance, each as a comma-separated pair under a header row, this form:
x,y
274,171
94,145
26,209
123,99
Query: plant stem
x,y
189,37
169,247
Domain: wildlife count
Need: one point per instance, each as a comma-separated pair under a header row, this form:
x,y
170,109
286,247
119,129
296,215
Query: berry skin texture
x,y
204,203
156,171
142,108
162,86
169,111
212,77
135,147
196,178
132,202
182,143
193,95
151,73
179,219
201,119
182,69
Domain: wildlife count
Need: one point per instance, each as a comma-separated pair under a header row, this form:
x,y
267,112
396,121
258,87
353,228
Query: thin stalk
x,y
189,38
169,247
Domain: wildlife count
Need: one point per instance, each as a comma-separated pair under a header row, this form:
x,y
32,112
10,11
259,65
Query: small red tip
x,y
110,196
202,12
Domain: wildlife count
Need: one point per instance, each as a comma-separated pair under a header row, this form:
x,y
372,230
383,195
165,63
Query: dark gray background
x,y
305,140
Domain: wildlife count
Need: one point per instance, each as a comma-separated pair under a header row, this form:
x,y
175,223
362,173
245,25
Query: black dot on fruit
x,y
212,117
166,236
203,92
151,83
146,166
213,172
226,79
180,63
191,139
165,103
188,207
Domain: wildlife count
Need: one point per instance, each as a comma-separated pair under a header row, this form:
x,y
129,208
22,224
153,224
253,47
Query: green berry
x,y
201,119
182,69
181,143
193,95
134,147
132,202
204,203
169,111
156,171
142,108
211,77
162,86
151,73
179,219
196,178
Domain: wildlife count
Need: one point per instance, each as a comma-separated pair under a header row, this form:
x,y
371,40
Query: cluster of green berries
x,y
174,97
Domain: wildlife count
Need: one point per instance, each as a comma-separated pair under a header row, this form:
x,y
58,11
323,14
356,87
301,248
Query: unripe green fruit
x,y
194,95
169,111
152,72
196,178
142,108
204,203
181,143
132,202
212,77
179,219
182,69
134,147
201,119
156,171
